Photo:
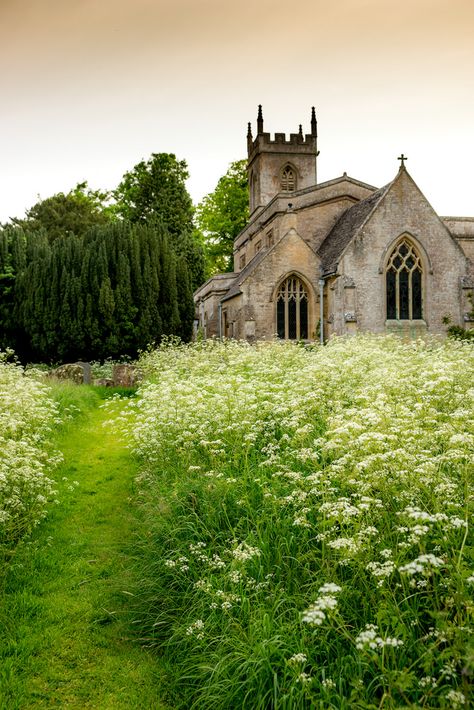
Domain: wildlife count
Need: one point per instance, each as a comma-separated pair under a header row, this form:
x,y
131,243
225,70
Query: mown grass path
x,y
65,637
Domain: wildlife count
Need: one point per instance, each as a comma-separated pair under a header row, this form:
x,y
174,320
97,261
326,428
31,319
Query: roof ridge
x,y
348,224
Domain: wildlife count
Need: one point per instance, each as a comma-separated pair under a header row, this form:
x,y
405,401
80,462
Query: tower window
x,y
292,310
288,179
403,283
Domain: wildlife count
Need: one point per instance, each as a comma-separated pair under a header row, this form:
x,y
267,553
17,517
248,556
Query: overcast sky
x,y
91,87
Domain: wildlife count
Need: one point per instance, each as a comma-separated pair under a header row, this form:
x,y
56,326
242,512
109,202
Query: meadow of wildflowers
x,y
27,415
307,539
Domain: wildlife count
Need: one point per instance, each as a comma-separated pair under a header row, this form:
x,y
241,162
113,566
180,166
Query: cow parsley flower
x,y
326,601
370,639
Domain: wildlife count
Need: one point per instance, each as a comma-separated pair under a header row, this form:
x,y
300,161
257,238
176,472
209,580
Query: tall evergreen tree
x,y
91,287
156,189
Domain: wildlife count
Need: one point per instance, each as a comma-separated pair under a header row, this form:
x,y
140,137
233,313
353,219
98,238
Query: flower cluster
x,y
326,601
292,465
27,415
370,639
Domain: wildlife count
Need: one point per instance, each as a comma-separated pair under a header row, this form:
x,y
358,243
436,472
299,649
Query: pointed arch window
x,y
292,309
288,179
403,277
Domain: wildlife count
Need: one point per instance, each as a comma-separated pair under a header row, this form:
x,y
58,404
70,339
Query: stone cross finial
x,y
402,158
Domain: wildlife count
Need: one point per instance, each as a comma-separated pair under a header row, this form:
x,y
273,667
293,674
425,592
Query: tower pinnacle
x,y
260,120
249,137
314,124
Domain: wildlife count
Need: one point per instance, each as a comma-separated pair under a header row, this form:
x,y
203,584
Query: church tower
x,y
280,165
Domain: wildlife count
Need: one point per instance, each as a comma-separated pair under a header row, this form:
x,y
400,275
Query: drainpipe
x,y
321,311
219,316
202,323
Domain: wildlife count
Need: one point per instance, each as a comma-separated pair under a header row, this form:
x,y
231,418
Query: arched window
x,y
292,309
288,179
403,283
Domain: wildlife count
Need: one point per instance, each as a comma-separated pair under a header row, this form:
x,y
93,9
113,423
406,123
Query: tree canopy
x,y
222,215
72,213
90,274
156,188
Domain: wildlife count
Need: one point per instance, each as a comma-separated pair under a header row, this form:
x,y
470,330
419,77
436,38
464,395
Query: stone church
x,y
336,257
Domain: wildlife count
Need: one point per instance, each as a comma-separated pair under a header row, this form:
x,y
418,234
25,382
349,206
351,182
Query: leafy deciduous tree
x,y
222,215
65,214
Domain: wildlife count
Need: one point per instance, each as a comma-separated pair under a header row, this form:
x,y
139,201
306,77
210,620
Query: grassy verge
x,y
64,600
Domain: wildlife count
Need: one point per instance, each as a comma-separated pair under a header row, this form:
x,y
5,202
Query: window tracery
x,y
288,179
404,283
292,309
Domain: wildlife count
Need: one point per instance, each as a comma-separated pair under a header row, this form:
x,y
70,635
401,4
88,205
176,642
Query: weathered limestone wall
x,y
317,210
268,167
253,313
404,211
207,299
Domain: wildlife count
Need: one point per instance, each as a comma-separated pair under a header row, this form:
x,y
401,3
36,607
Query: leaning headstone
x,y
78,372
126,376
87,372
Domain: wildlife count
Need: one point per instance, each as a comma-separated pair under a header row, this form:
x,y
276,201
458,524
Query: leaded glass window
x,y
292,310
403,283
288,179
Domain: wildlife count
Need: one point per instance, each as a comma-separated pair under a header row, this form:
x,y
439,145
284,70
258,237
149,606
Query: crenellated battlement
x,y
264,140
280,163
305,143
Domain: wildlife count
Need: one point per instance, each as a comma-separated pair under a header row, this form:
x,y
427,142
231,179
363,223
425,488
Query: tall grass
x,y
306,539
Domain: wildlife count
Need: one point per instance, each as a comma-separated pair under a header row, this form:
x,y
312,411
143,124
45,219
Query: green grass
x,y
66,639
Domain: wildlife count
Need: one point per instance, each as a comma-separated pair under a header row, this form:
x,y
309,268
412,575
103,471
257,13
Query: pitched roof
x,y
234,290
345,228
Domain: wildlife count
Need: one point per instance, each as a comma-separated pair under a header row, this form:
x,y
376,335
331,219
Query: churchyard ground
x,y
297,535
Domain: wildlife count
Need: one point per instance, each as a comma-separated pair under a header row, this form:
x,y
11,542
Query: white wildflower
x,y
298,658
316,613
370,639
422,565
456,699
196,628
245,552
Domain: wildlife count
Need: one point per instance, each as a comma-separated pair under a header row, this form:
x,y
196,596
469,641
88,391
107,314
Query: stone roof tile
x,y
345,228
234,290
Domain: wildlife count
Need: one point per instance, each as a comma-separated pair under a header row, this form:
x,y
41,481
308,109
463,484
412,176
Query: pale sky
x,y
91,87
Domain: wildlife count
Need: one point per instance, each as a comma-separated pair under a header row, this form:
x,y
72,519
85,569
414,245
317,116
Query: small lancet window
x,y
288,179
403,283
292,310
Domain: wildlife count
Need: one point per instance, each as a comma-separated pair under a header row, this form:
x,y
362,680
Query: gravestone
x,y
78,372
126,376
